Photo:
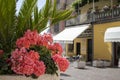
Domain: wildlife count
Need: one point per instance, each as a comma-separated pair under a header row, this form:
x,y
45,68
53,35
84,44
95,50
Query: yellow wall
x,y
102,50
83,42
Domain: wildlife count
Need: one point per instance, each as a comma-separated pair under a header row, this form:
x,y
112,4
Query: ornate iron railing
x,y
104,16
96,17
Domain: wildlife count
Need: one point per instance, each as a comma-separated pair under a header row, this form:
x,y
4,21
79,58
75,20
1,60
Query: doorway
x,y
116,54
78,48
89,50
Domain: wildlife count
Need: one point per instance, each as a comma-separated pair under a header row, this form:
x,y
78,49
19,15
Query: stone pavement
x,y
90,73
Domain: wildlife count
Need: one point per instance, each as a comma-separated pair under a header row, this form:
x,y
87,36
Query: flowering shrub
x,y
27,62
36,54
61,62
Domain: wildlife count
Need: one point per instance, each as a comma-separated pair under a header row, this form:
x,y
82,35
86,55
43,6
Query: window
x,y
70,47
56,28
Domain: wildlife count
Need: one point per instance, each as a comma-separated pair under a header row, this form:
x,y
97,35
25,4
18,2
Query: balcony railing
x,y
104,16
96,17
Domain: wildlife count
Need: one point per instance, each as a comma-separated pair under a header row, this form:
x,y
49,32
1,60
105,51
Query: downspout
x,y
93,5
92,24
112,56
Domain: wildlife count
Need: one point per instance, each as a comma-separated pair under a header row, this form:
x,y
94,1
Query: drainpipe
x,y
111,1
93,5
93,15
92,24
112,56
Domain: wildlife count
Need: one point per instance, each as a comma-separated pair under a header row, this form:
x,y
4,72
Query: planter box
x,y
81,64
107,63
100,63
18,77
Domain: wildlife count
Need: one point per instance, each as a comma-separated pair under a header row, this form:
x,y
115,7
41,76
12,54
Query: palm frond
x,y
13,26
25,14
60,15
65,14
7,22
41,17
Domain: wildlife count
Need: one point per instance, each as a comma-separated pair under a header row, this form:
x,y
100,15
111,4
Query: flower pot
x,y
98,63
81,64
19,77
107,63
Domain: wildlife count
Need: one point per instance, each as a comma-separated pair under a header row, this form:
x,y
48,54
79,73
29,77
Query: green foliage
x,y
7,24
45,56
5,66
51,67
13,26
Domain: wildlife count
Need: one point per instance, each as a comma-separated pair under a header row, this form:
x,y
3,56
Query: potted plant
x,y
36,55
24,53
81,62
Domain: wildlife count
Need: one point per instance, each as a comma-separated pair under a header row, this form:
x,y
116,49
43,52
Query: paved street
x,y
90,73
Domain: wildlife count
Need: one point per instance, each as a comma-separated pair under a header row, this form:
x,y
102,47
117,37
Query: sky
x,y
40,4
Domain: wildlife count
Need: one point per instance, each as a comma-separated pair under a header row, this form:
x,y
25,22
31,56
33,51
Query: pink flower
x,y
48,38
39,42
33,55
39,68
23,42
26,60
42,41
17,69
32,36
45,40
56,48
62,63
28,69
18,53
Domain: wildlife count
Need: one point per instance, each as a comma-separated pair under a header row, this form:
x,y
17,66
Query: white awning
x,y
112,34
69,34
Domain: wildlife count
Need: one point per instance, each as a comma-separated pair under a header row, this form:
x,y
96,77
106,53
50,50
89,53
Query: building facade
x,y
100,16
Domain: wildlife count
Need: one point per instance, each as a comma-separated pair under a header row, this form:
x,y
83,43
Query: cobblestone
x,y
90,73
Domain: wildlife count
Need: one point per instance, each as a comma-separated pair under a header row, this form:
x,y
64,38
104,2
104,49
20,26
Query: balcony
x,y
96,17
104,16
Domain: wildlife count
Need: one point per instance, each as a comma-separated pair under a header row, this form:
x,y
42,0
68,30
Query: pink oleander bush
x,y
37,54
